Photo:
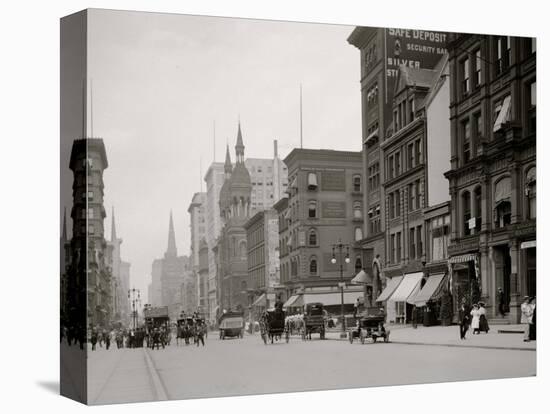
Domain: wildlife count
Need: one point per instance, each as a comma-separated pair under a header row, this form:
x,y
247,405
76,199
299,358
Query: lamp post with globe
x,y
339,247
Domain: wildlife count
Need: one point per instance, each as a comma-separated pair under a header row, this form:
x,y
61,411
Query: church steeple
x,y
227,167
113,226
171,250
239,148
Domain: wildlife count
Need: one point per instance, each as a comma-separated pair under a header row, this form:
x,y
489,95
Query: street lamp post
x,y
339,246
135,300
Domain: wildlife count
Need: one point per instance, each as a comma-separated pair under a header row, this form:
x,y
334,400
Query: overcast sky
x,y
159,83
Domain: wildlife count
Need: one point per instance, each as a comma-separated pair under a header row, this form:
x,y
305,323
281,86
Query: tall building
x,y
324,207
382,52
492,180
202,279
156,287
262,239
235,210
197,213
214,179
88,245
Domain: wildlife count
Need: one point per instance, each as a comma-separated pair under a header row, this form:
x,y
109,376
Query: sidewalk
x,y
449,336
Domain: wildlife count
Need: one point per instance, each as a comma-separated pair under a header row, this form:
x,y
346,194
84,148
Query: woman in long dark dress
x,y
483,324
533,323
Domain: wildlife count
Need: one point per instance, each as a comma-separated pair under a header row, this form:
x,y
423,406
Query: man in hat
x,y
464,318
500,296
526,316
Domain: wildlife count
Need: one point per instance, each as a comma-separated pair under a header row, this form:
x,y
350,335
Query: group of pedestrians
x,y
529,318
472,317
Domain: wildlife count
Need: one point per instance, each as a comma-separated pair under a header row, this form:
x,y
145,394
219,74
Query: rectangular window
x,y
391,167
397,204
466,141
397,164
398,246
410,155
465,73
395,120
412,250
532,107
417,194
411,196
411,110
477,68
478,127
503,49
392,248
391,205
418,152
419,247
403,113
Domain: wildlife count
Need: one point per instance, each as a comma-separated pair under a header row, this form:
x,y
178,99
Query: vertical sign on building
x,y
418,49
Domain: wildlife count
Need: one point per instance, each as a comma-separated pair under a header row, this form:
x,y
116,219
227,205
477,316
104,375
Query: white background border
x,y
29,125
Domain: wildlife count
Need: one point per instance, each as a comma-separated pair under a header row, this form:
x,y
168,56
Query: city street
x,y
247,366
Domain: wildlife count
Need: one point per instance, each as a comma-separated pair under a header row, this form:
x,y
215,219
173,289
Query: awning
x,y
294,183
287,214
312,180
362,278
331,298
374,134
503,115
503,190
392,284
261,301
294,300
528,244
463,258
430,289
408,287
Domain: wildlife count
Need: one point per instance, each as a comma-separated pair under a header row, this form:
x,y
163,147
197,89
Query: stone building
x,y
492,180
382,52
324,205
202,279
88,245
262,236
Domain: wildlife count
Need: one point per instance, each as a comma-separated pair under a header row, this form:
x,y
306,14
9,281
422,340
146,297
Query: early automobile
x,y
231,325
370,326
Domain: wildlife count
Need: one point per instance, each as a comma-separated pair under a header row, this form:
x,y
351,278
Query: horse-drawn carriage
x,y
369,325
157,324
185,330
273,325
313,320
231,325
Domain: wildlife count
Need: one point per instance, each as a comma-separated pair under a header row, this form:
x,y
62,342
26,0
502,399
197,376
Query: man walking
x,y
464,318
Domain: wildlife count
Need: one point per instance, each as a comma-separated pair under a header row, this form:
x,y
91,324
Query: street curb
x,y
157,383
504,348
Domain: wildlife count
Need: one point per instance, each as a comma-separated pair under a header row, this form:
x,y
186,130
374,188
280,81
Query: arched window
x,y
357,210
312,239
531,193
358,234
503,207
358,264
357,183
313,266
466,212
312,209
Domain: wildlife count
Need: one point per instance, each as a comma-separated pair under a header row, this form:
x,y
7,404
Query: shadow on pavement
x,y
51,386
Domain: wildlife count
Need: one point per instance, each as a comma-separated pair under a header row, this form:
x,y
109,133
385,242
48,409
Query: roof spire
x,y
239,147
113,226
227,167
171,250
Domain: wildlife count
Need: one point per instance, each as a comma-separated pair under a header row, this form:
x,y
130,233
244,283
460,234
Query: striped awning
x,y
261,301
463,258
407,288
294,300
362,278
392,284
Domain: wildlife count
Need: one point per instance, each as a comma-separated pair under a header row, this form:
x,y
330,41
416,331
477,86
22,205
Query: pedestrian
x,y
501,309
483,323
93,338
107,337
200,331
475,319
464,318
526,317
533,324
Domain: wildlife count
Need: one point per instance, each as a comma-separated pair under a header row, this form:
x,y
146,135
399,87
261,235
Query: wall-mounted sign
x,y
333,181
333,209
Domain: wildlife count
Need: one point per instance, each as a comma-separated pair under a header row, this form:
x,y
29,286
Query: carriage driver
x,y
279,304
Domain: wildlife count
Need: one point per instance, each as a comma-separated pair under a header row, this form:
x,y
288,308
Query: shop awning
x,y
362,278
463,258
409,286
392,284
332,298
294,300
261,301
503,190
431,288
